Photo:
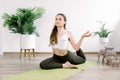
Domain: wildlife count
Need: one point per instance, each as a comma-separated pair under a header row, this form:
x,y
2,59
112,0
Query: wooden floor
x,y
11,64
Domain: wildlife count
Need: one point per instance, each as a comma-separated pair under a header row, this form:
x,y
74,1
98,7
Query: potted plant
x,y
103,34
22,22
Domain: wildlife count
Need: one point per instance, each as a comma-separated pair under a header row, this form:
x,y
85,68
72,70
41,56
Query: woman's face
x,y
59,21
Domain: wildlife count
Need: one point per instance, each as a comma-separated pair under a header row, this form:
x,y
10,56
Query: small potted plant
x,y
22,22
103,34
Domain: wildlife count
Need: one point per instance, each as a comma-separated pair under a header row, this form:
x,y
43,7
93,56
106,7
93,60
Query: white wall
x,y
81,16
1,29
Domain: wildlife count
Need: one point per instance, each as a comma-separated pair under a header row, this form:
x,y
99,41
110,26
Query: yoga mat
x,y
51,74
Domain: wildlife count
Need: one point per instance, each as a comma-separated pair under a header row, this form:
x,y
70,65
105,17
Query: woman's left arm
x,y
77,45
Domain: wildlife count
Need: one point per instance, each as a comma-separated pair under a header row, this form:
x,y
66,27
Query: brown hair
x,y
53,36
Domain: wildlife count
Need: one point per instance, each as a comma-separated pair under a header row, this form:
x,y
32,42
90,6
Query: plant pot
x,y
27,41
104,41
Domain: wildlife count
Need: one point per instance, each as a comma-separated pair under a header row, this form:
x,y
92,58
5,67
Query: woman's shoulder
x,y
68,33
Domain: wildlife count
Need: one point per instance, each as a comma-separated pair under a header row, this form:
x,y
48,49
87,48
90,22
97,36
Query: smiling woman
x,y
62,56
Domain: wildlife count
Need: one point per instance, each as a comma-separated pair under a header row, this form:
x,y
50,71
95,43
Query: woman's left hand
x,y
87,34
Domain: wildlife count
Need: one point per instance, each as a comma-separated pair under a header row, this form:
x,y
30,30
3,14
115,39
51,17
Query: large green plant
x,y
23,20
103,33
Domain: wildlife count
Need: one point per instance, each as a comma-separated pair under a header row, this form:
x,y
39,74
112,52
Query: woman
x,y
59,38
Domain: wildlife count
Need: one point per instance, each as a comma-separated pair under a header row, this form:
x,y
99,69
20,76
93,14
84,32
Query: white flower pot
x,y
27,41
104,40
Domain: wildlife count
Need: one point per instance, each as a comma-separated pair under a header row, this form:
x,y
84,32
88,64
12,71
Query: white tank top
x,y
62,42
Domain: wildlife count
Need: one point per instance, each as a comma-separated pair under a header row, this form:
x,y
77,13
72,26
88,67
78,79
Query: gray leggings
x,y
57,61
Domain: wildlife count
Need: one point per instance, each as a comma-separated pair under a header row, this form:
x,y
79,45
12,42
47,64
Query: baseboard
x,y
49,53
13,53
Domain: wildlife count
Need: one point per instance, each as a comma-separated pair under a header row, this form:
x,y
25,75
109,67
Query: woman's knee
x,y
42,65
82,61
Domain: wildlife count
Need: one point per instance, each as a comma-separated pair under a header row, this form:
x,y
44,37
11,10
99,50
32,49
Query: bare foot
x,y
67,64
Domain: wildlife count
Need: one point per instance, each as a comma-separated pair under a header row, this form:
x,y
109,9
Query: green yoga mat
x,y
52,74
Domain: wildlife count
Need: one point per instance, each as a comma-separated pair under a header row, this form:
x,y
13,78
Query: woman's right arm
x,y
77,45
